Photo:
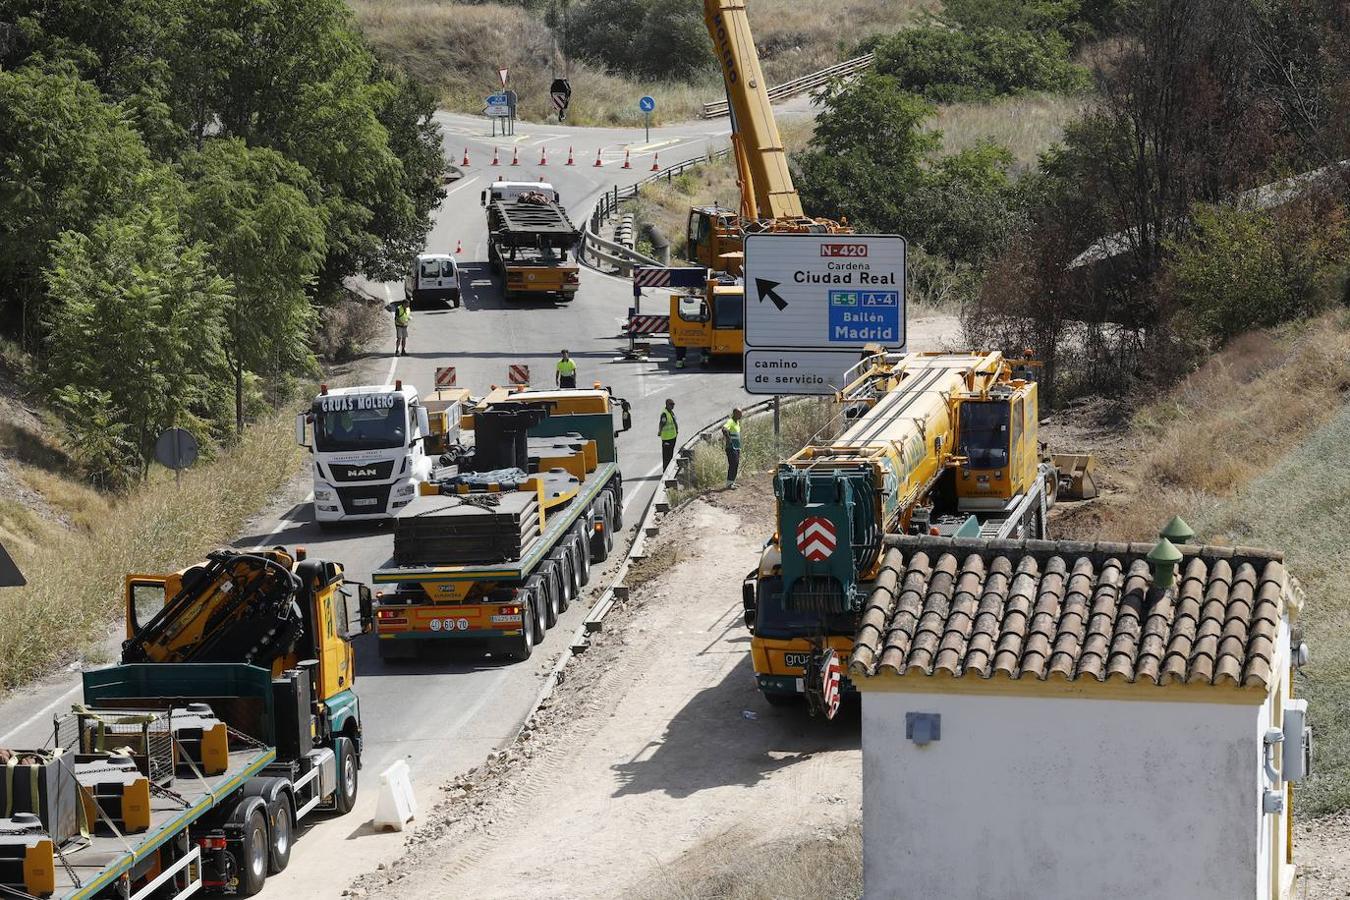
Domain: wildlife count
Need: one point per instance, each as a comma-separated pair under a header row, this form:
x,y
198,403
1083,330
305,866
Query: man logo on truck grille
x,y
816,538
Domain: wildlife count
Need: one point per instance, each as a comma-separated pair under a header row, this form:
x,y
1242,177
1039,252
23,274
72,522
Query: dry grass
x,y
82,506
796,37
1026,125
802,421
1224,426
458,47
75,579
738,867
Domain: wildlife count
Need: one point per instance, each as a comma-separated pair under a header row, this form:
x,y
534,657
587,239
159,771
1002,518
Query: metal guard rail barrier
x,y
798,85
593,245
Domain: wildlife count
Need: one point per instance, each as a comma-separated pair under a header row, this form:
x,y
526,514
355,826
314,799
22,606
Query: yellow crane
x,y
715,322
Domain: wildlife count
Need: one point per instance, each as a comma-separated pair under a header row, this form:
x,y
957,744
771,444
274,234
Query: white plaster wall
x,y
1271,828
1028,798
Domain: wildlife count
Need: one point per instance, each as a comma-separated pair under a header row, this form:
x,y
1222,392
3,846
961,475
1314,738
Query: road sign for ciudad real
x,y
824,291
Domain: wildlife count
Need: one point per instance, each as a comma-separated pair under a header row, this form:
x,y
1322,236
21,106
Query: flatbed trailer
x,y
528,244
503,578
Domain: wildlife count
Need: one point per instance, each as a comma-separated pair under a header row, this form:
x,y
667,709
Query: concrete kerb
x,y
595,618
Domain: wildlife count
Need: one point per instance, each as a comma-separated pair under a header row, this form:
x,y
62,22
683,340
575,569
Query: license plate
x,y
365,501
501,620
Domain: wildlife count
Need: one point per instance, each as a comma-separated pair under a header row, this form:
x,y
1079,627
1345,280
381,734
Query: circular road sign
x,y
646,104
176,449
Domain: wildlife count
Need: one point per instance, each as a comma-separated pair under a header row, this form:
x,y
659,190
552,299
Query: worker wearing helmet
x,y
731,443
566,375
668,430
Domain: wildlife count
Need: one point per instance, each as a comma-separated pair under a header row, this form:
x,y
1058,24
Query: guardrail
x,y
594,247
799,85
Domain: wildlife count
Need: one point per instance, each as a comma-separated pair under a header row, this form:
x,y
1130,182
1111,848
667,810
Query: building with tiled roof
x,y
1050,719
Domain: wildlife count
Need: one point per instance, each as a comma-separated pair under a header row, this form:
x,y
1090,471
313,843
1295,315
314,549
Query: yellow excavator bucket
x,y
1076,481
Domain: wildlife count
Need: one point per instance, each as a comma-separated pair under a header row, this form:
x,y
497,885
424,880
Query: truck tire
x,y
282,831
552,599
344,798
571,578
598,548
583,557
519,647
253,854
616,491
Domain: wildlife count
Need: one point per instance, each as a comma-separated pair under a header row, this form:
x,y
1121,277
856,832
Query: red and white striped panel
x,y
645,324
646,276
816,538
831,672
518,373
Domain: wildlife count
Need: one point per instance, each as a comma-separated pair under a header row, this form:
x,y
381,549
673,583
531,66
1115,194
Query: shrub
x,y
654,39
346,327
1236,269
945,65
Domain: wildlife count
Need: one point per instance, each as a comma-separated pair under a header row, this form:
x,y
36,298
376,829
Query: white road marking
x,y
633,496
5,738
462,183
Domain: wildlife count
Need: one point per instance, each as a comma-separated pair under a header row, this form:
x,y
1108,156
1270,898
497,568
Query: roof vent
x,y
1177,531
1163,559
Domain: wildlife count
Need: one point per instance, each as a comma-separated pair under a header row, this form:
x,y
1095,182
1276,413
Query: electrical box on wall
x,y
1297,760
923,728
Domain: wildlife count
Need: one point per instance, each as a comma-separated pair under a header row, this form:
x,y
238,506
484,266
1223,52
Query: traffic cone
x,y
465,160
495,160
598,163
656,163
543,156
515,156
570,161
626,163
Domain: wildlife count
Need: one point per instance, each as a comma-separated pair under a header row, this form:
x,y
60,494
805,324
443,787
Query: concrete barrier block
x,y
396,806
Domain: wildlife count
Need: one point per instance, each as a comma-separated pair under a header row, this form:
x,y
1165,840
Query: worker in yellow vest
x,y
566,375
731,442
402,319
668,429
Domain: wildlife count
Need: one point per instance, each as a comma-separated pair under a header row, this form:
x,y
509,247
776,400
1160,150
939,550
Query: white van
x,y
434,280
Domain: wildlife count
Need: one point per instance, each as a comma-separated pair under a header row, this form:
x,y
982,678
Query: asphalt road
x,y
445,715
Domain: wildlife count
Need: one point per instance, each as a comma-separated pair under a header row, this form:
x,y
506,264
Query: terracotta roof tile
x,y
1071,610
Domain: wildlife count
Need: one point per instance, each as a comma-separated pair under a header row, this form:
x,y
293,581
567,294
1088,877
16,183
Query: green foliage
x,y
872,133
1236,269
98,438
654,39
1016,15
259,215
947,65
138,314
66,157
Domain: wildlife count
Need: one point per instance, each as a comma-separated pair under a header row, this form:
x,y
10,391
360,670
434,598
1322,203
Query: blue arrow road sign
x,y
501,99
646,104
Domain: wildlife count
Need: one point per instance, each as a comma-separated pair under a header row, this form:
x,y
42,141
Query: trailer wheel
x,y
345,798
583,555
519,647
253,854
552,600
598,546
616,490
279,811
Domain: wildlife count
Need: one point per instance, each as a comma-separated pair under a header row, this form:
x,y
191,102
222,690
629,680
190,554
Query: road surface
x,y
445,715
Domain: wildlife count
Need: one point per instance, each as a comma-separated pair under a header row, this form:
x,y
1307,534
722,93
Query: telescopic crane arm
x,y
767,191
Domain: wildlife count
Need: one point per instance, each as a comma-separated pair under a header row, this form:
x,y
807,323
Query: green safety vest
x,y
733,430
402,316
668,427
566,367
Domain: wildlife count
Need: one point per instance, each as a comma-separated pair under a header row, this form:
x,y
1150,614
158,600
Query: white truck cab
x,y
510,190
368,446
434,280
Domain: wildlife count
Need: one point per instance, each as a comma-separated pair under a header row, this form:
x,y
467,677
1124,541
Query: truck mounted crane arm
x,y
767,191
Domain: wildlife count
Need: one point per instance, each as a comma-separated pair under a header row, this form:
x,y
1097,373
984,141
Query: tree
x,y
66,157
659,40
140,316
873,162
259,215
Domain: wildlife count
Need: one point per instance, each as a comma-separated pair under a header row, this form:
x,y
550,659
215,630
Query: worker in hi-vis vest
x,y
667,429
402,311
731,442
566,375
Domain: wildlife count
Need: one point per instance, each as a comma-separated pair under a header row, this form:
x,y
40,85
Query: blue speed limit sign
x,y
646,104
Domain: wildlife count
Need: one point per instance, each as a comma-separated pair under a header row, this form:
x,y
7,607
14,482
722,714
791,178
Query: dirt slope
x,y
656,744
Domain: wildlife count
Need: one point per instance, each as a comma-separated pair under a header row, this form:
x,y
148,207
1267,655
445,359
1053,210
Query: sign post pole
x,y
647,104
